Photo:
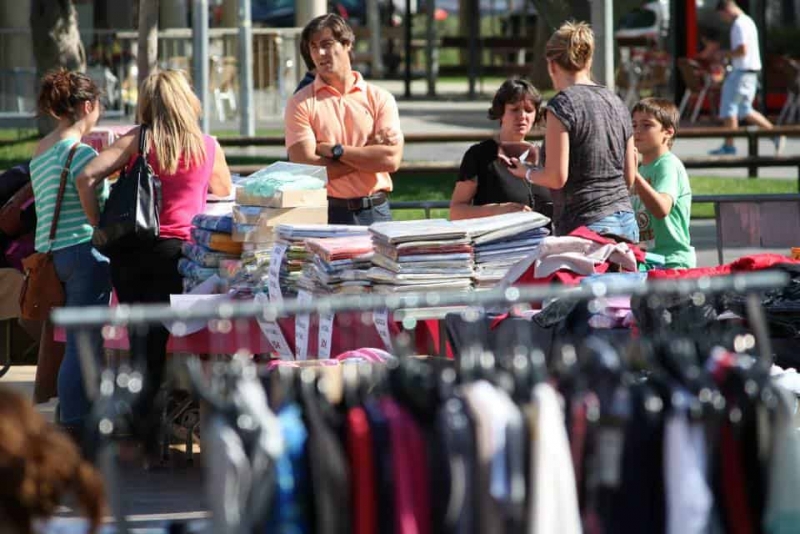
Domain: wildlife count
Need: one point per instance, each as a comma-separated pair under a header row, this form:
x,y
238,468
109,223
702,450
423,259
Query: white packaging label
x,y
274,274
273,332
325,336
381,320
302,326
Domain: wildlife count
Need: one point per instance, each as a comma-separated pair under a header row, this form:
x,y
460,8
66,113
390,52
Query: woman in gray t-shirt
x,y
589,158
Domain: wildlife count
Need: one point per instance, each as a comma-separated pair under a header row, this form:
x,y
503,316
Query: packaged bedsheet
x,y
205,257
216,241
217,223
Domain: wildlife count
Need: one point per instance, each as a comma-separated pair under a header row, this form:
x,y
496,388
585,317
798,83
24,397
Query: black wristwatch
x,y
336,152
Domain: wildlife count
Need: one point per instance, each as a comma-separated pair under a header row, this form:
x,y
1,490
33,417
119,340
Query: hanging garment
x,y
289,511
639,503
689,499
782,514
457,436
553,506
227,475
241,452
382,452
490,459
362,471
409,459
330,484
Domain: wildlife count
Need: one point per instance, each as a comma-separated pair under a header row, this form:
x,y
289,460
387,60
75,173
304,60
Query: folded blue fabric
x,y
216,223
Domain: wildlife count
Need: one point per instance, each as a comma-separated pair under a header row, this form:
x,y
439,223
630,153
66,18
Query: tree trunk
x,y
147,57
56,42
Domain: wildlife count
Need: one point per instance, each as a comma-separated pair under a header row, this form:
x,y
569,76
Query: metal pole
x,y
408,21
247,117
603,25
474,45
374,21
431,50
608,42
200,57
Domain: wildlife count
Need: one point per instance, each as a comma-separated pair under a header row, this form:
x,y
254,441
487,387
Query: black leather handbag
x,y
130,218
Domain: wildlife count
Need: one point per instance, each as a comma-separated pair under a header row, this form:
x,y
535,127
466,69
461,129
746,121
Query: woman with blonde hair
x,y
589,157
190,165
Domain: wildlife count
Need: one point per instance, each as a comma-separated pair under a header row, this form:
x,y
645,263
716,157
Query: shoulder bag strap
x,y
61,188
143,139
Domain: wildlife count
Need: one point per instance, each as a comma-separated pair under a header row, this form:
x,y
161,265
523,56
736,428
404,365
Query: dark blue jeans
x,y
342,215
87,282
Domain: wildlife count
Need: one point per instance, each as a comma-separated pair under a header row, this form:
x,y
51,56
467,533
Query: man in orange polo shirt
x,y
346,124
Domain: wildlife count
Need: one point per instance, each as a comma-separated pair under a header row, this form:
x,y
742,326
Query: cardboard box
x,y
272,217
253,233
260,228
285,199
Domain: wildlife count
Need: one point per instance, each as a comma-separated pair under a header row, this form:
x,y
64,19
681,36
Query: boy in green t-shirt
x,y
662,197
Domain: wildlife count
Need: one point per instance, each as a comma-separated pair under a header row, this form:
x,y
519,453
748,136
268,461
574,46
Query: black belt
x,y
361,203
749,71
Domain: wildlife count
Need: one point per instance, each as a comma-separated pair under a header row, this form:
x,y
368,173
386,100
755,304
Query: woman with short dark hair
x,y
485,186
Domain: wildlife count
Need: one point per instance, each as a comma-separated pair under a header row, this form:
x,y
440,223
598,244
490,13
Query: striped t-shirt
x,y
73,228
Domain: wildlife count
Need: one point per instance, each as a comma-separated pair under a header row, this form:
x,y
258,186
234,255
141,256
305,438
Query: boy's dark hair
x,y
513,90
662,110
339,27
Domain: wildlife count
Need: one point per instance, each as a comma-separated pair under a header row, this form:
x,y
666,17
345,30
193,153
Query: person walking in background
x,y
345,124
589,157
190,165
74,101
741,84
662,195
485,186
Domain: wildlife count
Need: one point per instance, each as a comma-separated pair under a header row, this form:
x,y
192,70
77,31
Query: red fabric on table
x,y
349,333
754,262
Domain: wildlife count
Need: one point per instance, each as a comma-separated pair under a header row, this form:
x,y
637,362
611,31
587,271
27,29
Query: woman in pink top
x,y
190,165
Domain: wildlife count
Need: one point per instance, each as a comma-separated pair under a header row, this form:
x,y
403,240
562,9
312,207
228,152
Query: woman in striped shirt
x,y
74,101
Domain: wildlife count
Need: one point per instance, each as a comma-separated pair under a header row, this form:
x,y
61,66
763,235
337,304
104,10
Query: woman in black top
x,y
589,157
485,186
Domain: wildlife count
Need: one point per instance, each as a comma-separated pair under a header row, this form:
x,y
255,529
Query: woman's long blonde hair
x,y
170,108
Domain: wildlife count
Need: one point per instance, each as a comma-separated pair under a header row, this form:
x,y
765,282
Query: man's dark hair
x,y
339,27
512,91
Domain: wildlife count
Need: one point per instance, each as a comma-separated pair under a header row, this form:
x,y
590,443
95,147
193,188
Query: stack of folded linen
x,y
426,255
500,241
290,254
337,265
212,245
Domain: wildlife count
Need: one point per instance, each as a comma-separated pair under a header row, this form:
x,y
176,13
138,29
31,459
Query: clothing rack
x,y
103,387
95,316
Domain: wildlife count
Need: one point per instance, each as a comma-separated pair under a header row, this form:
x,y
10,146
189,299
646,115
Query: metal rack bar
x,y
150,314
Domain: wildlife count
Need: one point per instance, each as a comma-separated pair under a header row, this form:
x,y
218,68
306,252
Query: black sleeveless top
x,y
496,184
